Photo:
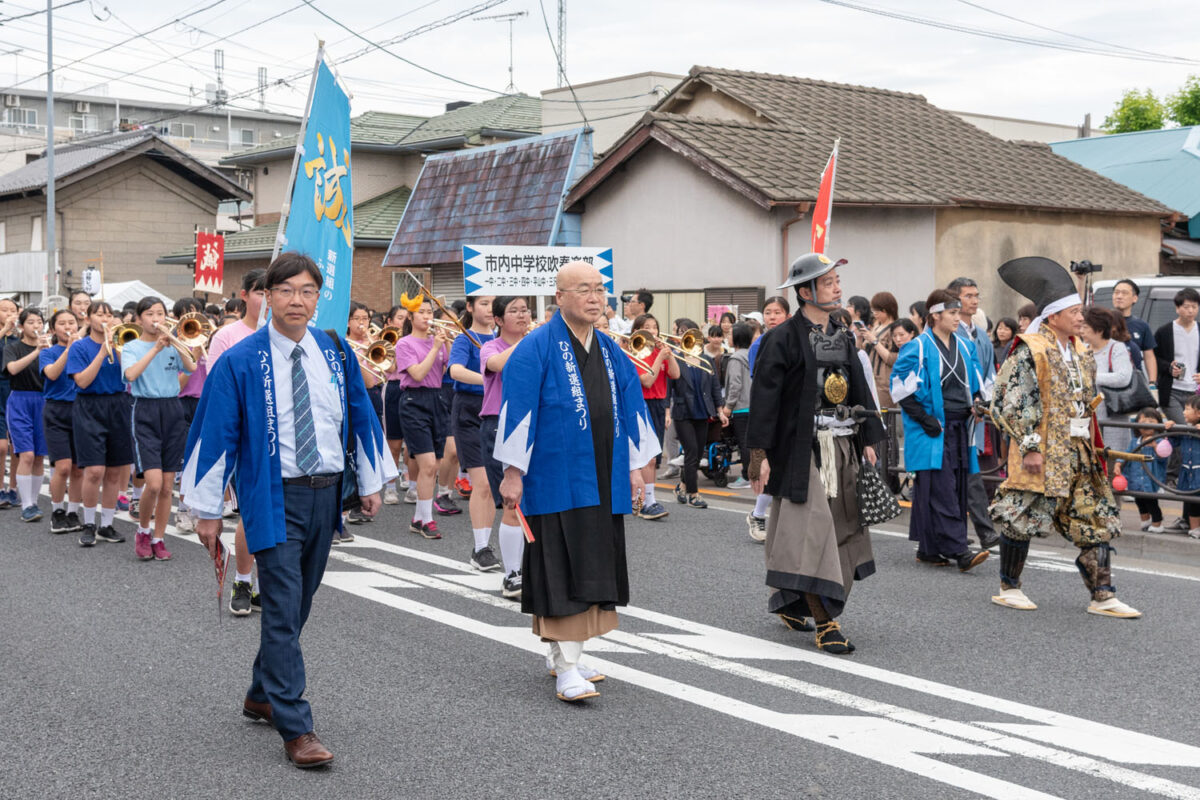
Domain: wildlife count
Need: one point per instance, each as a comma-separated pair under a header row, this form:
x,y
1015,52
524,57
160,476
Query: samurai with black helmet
x,y
1044,399
814,419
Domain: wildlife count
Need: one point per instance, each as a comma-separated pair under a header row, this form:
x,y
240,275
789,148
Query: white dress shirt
x,y
324,400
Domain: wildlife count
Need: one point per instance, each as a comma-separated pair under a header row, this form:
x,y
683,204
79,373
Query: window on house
x,y
84,123
402,283
248,138
184,130
35,235
3,242
20,116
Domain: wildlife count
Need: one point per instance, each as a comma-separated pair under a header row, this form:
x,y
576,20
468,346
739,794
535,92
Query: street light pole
x,y
51,261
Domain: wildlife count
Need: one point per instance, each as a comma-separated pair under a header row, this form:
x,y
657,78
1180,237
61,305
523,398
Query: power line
x,y
558,56
42,11
998,35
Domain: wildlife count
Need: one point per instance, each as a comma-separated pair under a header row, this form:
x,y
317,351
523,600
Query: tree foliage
x,y
1136,111
1184,105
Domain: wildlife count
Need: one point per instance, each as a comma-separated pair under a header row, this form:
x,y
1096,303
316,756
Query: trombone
x,y
390,334
636,355
122,335
164,329
689,348
457,322
377,357
192,330
449,328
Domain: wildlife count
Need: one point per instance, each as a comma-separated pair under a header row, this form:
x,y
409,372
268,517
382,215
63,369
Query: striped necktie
x,y
307,458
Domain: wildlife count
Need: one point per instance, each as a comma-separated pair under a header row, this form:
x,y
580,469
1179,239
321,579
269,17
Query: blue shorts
x,y
424,420
392,430
658,418
56,422
159,433
5,391
464,424
495,472
24,414
100,425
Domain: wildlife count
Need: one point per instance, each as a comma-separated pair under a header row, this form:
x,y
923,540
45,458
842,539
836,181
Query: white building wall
x,y
612,106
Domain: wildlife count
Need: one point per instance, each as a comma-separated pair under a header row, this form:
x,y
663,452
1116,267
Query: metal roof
x,y
1162,164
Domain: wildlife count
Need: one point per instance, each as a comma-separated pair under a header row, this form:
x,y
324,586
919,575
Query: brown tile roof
x,y
896,148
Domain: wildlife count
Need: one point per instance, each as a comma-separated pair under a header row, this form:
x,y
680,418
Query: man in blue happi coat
x,y
573,435
284,412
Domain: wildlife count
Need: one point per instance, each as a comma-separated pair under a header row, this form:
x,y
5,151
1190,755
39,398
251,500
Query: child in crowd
x,y
737,400
1138,473
59,392
1189,466
24,410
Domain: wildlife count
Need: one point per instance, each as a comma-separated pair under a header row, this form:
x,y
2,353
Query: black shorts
x,y
464,425
189,409
56,420
392,430
376,395
5,391
447,397
424,420
100,425
159,435
495,472
658,418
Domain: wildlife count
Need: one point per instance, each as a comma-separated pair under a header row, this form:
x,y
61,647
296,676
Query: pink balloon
x,y
1119,484
1163,448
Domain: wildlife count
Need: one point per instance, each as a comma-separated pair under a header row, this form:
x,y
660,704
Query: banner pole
x,y
286,209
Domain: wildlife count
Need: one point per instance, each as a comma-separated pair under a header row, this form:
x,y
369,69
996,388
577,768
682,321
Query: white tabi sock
x,y
566,655
481,537
106,516
649,499
25,490
512,547
89,515
761,504
240,578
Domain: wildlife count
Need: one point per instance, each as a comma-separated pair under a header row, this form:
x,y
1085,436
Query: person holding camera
x,y
636,304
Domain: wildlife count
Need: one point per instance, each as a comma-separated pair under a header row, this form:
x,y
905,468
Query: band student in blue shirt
x,y
279,411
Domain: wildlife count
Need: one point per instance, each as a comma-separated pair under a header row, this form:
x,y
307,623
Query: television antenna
x,y
510,19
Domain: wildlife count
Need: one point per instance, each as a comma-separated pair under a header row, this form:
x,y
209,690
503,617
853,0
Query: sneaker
x,y
1194,533
484,560
390,498
1154,528
31,514
757,527
135,505
161,553
680,494
73,523
677,461
239,599
229,511
122,503
703,463
410,496
356,517
109,534
445,505
342,537
141,546
6,499
695,502
415,526
511,587
58,522
668,473
184,522
255,601
653,511
738,483
1180,524
463,485
430,531
87,536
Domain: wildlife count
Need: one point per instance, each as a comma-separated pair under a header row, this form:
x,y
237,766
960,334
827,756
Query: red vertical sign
x,y
210,262
823,211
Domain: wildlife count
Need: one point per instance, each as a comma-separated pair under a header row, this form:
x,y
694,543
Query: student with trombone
x,y
658,364
393,390
100,422
696,398
152,364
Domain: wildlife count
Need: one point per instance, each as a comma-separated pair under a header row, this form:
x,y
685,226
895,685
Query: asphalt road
x,y
120,680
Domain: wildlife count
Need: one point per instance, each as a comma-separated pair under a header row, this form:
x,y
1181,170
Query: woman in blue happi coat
x,y
936,380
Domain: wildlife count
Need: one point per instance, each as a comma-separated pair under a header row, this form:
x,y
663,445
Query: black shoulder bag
x,y
350,499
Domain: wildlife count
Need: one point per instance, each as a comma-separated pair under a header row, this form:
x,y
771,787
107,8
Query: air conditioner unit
x,y
12,100
82,107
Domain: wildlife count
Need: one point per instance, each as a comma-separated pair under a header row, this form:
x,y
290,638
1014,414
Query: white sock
x,y
462,475
89,515
390,485
142,530
240,578
424,510
72,508
60,506
156,540
25,489
183,507
761,505
649,501
512,547
106,516
137,492
566,656
481,537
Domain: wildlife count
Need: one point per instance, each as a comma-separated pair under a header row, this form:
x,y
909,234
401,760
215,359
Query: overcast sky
x,y
605,38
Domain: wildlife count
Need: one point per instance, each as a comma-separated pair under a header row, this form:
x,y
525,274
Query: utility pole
x,y
51,260
510,19
262,88
562,43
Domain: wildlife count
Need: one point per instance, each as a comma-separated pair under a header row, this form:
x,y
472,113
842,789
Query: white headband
x,y
1061,304
937,307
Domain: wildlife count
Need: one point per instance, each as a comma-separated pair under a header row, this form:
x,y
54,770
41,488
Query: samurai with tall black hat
x,y
1045,400
814,420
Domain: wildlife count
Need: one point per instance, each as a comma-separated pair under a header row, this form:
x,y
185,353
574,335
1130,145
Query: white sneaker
x,y
228,511
677,461
410,496
184,522
1152,528
1194,533
390,498
757,526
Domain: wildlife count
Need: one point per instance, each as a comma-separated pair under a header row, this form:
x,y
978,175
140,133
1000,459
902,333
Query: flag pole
x,y
286,209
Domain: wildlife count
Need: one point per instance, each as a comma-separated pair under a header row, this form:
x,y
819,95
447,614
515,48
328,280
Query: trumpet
x,y
121,336
377,357
451,330
457,322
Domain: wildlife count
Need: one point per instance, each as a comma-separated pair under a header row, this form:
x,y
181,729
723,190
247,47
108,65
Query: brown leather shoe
x,y
259,712
307,751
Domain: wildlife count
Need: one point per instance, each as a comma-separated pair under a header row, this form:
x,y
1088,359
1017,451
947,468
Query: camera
x,y
625,298
1085,267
